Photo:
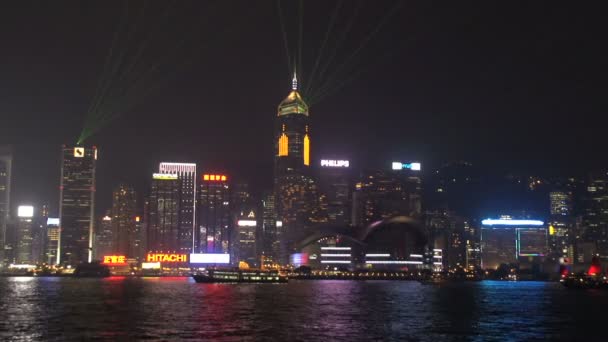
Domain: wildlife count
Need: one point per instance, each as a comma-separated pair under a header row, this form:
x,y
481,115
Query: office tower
x,y
52,240
269,244
561,227
124,211
104,236
247,228
76,204
137,248
39,235
594,235
163,213
382,194
24,236
335,183
296,197
213,210
5,192
186,172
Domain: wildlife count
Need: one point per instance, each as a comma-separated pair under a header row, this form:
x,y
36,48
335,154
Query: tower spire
x,y
294,80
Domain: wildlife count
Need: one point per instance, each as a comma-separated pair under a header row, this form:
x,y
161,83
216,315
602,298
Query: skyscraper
x,y
247,226
124,211
76,204
214,224
52,240
5,191
295,191
25,235
163,213
104,240
186,172
268,244
335,184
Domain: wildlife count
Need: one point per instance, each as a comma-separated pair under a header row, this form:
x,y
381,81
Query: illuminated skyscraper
x,y
269,245
52,240
213,208
296,196
77,204
124,211
25,235
186,173
5,191
104,240
247,227
335,184
163,213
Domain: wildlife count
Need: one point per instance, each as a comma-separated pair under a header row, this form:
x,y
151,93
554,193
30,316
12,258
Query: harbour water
x,y
38,308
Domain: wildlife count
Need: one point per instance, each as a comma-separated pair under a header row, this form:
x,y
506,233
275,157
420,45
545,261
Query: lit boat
x,y
240,276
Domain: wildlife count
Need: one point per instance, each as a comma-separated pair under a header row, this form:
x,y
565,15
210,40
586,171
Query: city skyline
x,y
429,107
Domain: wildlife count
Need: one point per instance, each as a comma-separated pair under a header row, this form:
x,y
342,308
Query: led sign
x,y
52,221
150,265
25,211
411,166
164,176
503,222
162,257
209,258
215,178
78,152
247,223
114,260
334,163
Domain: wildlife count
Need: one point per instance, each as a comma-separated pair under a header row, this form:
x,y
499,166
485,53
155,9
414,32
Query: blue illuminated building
x,y
509,241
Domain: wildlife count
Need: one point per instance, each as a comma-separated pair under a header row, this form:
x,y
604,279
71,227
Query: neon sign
x,y
504,222
162,257
209,258
411,166
215,178
335,163
114,259
79,152
164,176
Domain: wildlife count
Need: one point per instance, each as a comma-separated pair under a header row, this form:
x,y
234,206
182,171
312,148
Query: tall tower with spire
x,y
294,188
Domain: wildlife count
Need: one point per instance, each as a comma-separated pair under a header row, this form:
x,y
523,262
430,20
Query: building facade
x,y
297,199
163,214
124,212
77,204
5,192
335,183
213,210
186,172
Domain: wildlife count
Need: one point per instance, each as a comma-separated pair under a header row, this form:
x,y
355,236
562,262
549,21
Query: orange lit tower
x,y
295,190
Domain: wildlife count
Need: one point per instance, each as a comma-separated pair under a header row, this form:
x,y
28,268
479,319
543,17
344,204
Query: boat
x,y
239,276
584,281
92,270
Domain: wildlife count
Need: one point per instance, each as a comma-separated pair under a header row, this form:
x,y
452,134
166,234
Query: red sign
x,y
115,260
162,257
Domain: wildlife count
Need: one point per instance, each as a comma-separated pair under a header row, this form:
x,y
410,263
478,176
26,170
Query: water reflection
x,y
178,308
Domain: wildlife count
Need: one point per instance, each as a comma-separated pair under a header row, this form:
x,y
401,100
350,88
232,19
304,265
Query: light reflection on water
x,y
119,308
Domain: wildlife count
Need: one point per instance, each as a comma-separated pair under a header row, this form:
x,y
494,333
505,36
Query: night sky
x,y
517,86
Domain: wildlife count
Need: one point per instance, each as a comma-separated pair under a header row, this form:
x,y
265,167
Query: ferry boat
x,y
240,276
